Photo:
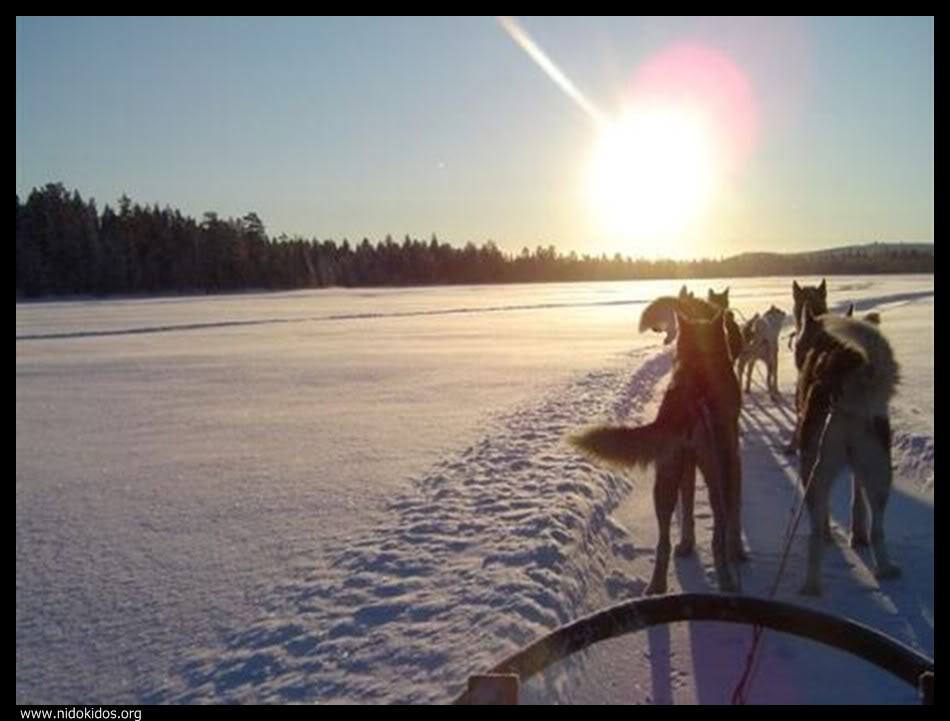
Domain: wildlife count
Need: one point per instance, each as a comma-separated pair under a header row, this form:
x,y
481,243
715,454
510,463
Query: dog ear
x,y
850,312
823,288
796,290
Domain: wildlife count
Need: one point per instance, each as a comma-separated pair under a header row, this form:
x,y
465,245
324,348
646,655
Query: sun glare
x,y
690,122
652,172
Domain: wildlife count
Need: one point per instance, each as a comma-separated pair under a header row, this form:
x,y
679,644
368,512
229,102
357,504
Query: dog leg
x,y
669,473
859,514
819,475
687,492
872,462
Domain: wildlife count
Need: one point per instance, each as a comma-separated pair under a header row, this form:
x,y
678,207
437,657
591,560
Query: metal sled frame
x,y
500,684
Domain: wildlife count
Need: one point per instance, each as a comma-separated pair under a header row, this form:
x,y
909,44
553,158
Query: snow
x,y
364,495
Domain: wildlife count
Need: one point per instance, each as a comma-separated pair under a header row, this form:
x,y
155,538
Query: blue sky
x,y
361,127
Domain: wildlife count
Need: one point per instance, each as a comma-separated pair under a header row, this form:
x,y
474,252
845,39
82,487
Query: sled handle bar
x,y
630,616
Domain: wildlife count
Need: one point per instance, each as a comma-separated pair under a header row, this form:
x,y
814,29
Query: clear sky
x,y
811,132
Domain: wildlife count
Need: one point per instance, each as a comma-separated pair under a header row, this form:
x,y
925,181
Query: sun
x,y
652,173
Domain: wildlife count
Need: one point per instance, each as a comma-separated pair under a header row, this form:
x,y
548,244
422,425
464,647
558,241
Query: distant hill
x,y
876,249
876,257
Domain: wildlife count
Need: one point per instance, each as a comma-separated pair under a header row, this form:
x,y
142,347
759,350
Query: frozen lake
x,y
363,495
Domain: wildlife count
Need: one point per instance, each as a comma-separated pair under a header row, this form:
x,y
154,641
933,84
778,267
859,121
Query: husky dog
x,y
697,425
815,297
660,316
720,300
760,342
847,376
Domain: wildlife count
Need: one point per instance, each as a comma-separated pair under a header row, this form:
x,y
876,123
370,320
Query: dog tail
x,y
659,315
624,446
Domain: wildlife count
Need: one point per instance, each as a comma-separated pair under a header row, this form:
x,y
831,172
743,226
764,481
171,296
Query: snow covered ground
x,y
364,496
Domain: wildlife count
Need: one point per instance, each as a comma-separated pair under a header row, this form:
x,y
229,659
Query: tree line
x,y
66,246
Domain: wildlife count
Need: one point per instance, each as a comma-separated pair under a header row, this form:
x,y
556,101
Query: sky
x,y
736,134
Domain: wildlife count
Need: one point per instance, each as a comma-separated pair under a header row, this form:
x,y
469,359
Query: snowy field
x,y
364,495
